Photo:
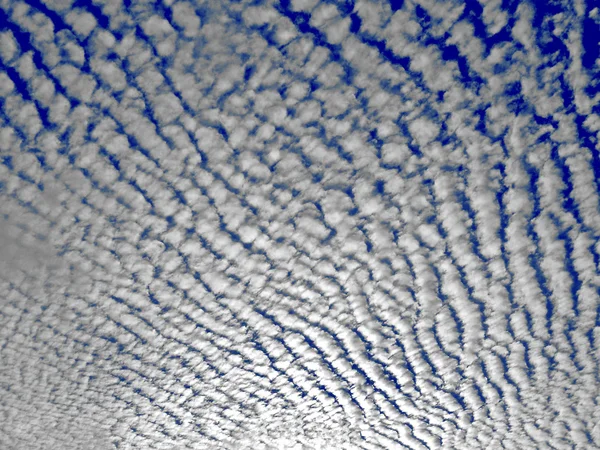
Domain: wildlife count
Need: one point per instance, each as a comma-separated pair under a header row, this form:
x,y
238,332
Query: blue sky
x,y
299,225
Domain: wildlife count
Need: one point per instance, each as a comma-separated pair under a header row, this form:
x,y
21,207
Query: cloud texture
x,y
299,225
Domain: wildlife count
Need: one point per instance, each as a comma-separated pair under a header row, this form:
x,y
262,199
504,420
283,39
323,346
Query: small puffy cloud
x,y
83,22
423,130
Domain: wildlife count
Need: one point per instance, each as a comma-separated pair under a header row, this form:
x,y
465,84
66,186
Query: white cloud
x,y
222,236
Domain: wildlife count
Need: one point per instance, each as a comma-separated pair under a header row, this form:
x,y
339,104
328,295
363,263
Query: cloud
x,y
298,224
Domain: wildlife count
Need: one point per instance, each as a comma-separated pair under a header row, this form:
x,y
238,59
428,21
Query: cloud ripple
x,y
299,224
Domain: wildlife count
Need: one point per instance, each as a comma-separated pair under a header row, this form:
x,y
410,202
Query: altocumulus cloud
x,y
299,224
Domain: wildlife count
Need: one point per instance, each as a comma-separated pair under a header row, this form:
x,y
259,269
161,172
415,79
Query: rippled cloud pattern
x,y
299,224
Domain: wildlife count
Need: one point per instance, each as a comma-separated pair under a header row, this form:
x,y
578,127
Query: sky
x,y
299,224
